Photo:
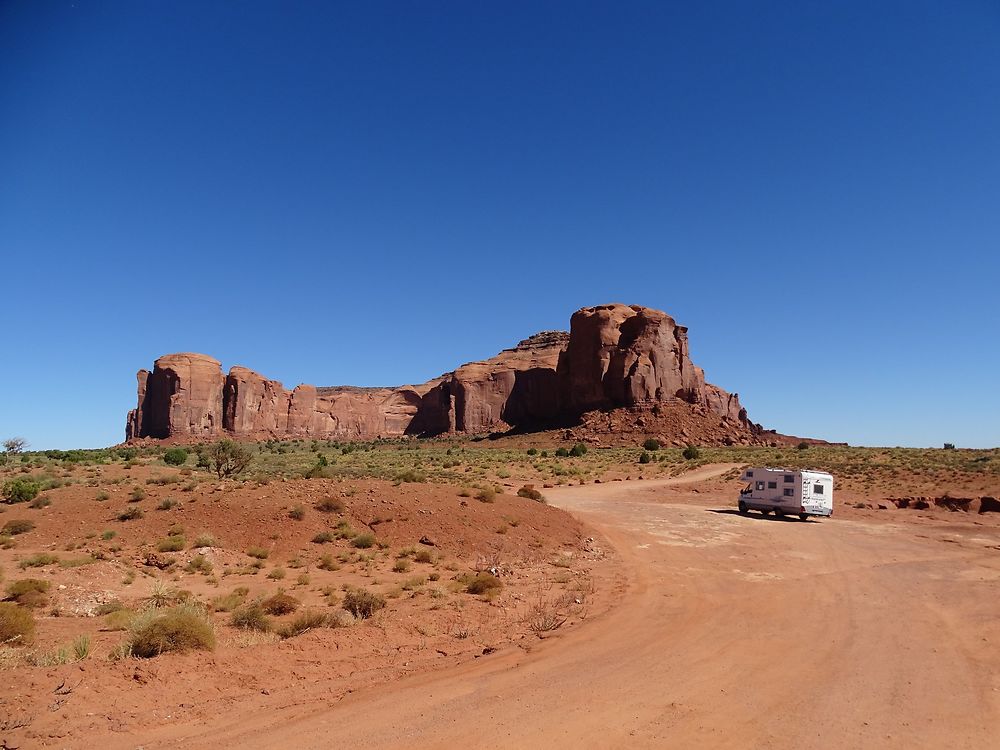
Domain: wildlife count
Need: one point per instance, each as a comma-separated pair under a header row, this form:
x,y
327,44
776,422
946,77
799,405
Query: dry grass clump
x,y
120,619
230,601
280,604
363,604
251,616
17,526
259,553
363,541
297,513
483,584
39,560
132,514
185,627
330,505
205,540
174,543
28,592
17,625
487,495
423,556
302,622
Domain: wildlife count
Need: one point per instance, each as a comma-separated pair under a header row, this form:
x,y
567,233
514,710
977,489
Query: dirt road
x,y
733,632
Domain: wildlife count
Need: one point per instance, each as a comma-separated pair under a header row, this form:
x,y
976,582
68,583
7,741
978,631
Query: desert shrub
x,y
109,535
229,458
645,458
307,620
199,564
530,492
401,565
363,541
251,617
297,513
175,457
40,502
691,453
411,475
651,444
949,446
17,625
802,446
562,452
38,560
137,495
7,542
81,647
259,553
120,619
330,505
483,583
423,556
171,544
280,604
578,450
131,514
362,603
128,454
532,451
17,526
181,628
107,608
20,490
326,562
28,592
276,574
323,537
486,495
205,540
102,496
167,503
230,601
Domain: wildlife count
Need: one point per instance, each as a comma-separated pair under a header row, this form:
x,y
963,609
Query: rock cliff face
x,y
615,356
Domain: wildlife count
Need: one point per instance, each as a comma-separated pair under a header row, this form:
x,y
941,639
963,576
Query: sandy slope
x,y
732,632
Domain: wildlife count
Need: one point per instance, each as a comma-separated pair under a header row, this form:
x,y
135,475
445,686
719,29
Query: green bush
x,y
651,444
229,458
17,625
175,457
691,453
562,452
578,450
20,490
805,446
362,603
645,458
182,628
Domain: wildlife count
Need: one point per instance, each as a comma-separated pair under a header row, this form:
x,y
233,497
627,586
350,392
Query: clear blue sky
x,y
373,193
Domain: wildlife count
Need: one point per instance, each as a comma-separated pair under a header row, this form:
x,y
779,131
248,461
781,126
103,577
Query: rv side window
x,y
749,473
772,485
789,479
760,485
788,491
818,489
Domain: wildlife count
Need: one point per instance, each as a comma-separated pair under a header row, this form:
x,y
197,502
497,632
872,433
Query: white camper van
x,y
787,491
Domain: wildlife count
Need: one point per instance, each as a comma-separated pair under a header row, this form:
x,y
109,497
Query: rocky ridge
x,y
615,357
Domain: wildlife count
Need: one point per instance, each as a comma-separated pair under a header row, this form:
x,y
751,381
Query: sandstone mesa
x,y
615,357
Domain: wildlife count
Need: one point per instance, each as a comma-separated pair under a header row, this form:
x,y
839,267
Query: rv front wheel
x,y
743,507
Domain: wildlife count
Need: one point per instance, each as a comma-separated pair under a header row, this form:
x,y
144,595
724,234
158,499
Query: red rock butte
x,y
615,357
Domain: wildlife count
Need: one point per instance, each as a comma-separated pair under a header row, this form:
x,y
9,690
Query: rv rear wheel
x,y
803,516
764,511
779,512
743,507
